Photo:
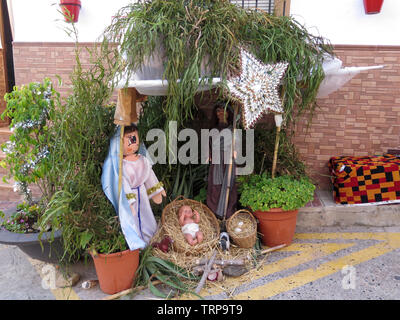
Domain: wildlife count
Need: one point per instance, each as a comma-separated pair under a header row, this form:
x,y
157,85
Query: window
x,y
279,7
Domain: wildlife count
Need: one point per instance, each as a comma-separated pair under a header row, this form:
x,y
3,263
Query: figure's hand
x,y
157,198
197,216
181,219
133,209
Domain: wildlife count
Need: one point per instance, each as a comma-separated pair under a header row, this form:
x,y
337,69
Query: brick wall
x,y
35,61
360,119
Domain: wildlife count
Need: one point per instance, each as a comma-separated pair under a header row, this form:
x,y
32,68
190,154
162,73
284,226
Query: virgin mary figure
x,y
139,185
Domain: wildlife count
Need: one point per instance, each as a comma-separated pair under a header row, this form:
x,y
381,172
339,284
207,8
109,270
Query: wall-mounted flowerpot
x,y
276,226
71,9
372,6
116,271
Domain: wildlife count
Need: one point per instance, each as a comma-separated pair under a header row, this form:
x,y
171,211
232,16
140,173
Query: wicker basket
x,y
246,238
208,224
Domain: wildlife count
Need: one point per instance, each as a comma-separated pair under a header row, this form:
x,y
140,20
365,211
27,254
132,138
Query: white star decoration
x,y
257,88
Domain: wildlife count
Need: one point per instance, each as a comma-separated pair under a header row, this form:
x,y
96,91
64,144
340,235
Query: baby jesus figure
x,y
189,221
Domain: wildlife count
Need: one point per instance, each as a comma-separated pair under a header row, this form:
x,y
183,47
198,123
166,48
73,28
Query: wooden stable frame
x,y
282,8
125,115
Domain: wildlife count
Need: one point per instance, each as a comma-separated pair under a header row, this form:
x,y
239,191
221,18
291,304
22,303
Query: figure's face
x,y
187,211
222,115
131,142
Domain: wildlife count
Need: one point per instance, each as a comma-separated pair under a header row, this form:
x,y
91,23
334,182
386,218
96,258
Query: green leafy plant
x,y
261,193
187,180
83,126
199,35
24,220
206,35
171,275
31,109
288,160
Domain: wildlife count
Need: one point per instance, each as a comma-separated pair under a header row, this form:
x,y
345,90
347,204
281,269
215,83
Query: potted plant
x,y
28,155
372,6
97,233
70,9
275,203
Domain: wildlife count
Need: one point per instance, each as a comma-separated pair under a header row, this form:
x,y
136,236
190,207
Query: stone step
x,y
7,191
2,157
5,134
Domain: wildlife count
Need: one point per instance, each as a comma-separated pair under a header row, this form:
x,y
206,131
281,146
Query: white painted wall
x,y
345,21
340,21
41,21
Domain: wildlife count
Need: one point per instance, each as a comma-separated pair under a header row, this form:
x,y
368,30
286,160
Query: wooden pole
x,y
273,249
230,168
206,272
278,130
121,156
278,122
128,291
222,262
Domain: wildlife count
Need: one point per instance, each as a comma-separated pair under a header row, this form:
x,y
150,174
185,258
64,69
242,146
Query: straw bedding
x,y
188,259
208,224
185,255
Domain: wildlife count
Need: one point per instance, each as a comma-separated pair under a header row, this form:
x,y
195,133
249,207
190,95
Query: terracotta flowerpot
x,y
372,6
116,271
70,9
277,226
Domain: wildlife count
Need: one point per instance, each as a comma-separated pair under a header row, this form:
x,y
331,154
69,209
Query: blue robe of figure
x,y
139,185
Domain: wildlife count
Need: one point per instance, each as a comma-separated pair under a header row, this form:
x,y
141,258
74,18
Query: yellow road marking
x,y
65,294
301,278
391,241
306,252
385,236
392,238
59,293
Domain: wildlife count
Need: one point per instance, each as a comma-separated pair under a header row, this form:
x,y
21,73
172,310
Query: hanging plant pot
x,y
373,6
277,226
70,9
116,271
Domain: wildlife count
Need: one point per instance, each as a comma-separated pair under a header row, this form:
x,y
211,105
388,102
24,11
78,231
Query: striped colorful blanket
x,y
365,179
